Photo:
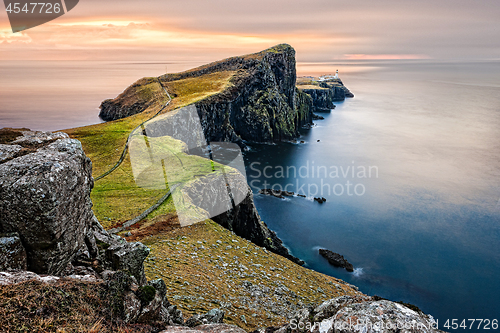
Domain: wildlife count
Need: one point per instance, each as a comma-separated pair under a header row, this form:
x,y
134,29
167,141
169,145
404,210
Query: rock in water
x,y
45,198
276,193
336,259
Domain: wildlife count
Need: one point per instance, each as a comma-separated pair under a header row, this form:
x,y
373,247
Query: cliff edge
x,y
260,103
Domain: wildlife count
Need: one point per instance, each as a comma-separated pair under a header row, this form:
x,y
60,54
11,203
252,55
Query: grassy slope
x,y
66,306
205,267
117,198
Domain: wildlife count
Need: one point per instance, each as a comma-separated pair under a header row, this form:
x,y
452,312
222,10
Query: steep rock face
x,y
322,98
340,92
45,198
240,216
261,106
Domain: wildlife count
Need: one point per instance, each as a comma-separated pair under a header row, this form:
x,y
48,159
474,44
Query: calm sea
x,y
424,226
420,216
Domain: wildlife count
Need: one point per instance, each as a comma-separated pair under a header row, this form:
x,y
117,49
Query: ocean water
x,y
54,95
419,218
424,225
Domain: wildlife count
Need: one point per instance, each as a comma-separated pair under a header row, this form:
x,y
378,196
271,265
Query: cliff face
x,y
242,218
324,93
340,92
262,104
322,98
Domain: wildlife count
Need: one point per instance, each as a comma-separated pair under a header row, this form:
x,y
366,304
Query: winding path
x,y
125,148
122,157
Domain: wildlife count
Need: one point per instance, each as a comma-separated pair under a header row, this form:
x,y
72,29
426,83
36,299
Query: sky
x,y
207,30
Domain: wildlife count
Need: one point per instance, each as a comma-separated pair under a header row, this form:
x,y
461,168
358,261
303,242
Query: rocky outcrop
x,y
45,198
214,316
261,104
340,92
46,209
107,251
336,259
133,100
349,314
324,93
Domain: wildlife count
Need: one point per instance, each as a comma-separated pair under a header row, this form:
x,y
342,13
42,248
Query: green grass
x,y
191,90
117,197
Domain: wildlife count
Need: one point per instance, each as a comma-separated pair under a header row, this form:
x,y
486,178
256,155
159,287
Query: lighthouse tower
x,y
336,75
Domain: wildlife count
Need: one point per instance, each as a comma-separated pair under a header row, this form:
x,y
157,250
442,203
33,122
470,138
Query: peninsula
x,y
61,195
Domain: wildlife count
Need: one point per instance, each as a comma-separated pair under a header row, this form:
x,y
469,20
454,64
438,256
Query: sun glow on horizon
x,y
385,56
124,38
119,23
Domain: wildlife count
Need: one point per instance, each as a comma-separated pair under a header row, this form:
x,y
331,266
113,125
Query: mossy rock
x,y
146,294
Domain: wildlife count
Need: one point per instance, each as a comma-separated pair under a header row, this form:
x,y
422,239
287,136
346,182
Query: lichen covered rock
x,y
209,328
214,316
350,314
45,198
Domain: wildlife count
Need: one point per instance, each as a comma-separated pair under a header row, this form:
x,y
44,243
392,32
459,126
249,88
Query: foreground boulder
x,y
349,314
45,198
52,232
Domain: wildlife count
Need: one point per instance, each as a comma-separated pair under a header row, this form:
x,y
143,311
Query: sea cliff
x,y
261,103
258,102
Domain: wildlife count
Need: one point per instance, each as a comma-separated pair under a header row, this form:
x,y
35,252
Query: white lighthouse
x,y
336,75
